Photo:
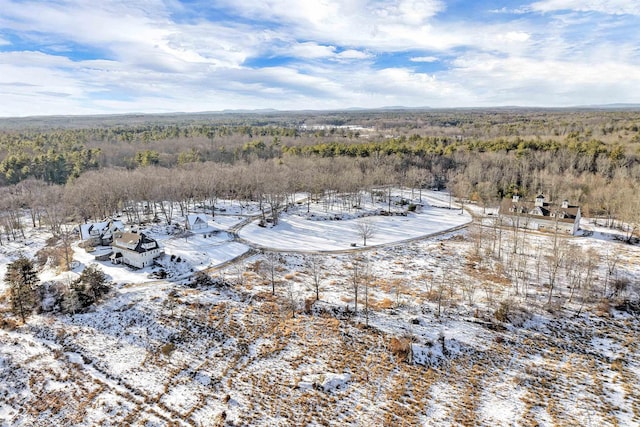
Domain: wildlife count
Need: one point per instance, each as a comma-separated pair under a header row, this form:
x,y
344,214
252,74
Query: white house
x,y
136,250
100,233
196,222
541,215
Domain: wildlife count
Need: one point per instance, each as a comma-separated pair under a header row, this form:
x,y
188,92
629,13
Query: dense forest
x,y
66,169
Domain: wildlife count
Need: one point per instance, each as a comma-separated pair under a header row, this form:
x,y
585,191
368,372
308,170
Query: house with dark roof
x,y
135,249
100,233
541,215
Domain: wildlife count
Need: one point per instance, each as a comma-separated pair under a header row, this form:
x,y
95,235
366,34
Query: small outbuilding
x,y
196,222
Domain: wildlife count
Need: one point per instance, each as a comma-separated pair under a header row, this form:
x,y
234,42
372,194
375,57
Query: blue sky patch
x,y
44,43
423,62
268,61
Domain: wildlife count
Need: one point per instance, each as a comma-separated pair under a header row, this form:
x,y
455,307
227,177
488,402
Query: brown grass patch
x,y
384,304
603,308
432,295
54,255
617,365
8,323
400,348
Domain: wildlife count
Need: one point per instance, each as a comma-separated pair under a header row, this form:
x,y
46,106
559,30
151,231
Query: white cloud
x,y
335,14
540,82
81,22
309,50
514,36
140,33
612,7
368,24
411,12
353,54
424,59
314,51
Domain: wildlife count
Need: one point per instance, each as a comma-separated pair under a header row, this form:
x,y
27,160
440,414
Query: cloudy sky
x,y
101,56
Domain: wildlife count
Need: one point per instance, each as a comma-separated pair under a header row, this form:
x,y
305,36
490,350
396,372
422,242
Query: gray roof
x,y
100,229
511,208
138,242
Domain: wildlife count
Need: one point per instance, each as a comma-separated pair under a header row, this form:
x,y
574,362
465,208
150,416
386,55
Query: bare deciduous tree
x,y
476,234
366,229
316,266
611,259
553,262
271,262
356,277
292,298
366,276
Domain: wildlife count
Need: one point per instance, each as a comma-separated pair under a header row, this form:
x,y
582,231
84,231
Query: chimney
x,y
565,204
516,198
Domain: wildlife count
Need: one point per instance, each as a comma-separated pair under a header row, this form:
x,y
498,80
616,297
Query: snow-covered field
x,y
433,353
302,232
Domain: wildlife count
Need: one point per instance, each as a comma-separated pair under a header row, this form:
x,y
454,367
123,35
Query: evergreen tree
x,y
22,279
89,287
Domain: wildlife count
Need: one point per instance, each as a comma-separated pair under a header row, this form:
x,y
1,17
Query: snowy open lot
x,y
305,233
